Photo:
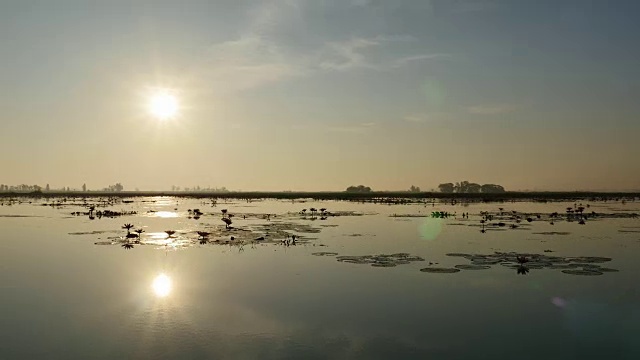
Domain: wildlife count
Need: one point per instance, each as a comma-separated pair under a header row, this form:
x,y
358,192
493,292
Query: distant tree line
x,y
21,187
466,187
199,189
47,188
117,187
359,189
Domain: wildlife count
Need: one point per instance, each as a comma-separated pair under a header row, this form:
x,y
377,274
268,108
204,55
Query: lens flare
x,y
430,228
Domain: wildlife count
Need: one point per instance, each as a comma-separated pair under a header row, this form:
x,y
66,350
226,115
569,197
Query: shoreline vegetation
x,y
341,195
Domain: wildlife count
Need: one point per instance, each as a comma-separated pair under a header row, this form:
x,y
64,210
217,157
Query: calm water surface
x,y
64,297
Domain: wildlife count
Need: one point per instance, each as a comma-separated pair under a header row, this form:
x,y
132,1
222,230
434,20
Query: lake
x,y
362,281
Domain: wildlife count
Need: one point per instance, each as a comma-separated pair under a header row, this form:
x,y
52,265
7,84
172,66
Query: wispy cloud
x,y
253,61
492,109
417,58
416,118
347,55
430,117
357,129
358,53
257,58
250,62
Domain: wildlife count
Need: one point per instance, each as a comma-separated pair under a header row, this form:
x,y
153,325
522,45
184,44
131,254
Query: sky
x,y
307,95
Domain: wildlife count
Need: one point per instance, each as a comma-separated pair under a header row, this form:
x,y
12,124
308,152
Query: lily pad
x,y
582,272
440,270
590,259
458,255
472,267
383,264
561,266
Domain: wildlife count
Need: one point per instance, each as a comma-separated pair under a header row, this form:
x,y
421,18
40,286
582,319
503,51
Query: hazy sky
x,y
321,94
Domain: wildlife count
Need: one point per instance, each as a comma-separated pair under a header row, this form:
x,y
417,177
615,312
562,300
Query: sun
x,y
163,105
161,285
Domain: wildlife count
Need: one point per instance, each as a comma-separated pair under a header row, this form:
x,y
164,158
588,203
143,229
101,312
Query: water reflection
x,y
161,285
166,214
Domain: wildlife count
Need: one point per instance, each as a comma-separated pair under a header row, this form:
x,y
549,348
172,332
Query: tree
x,y
446,188
461,187
414,189
473,188
47,188
358,189
492,188
116,187
84,187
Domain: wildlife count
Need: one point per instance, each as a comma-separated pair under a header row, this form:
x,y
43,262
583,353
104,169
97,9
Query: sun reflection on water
x,y
166,214
161,285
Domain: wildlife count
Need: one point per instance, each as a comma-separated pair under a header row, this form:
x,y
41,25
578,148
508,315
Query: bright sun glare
x,y
161,285
163,105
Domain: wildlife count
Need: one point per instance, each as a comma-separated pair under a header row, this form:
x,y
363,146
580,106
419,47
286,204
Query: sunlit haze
x,y
320,95
163,105
161,285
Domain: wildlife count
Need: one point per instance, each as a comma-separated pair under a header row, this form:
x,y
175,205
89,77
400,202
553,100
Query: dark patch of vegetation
x,y
380,196
466,187
523,263
382,260
358,189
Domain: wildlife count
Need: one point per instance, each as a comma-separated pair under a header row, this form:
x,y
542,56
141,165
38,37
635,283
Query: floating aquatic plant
x,y
472,267
381,260
582,272
574,265
437,270
324,253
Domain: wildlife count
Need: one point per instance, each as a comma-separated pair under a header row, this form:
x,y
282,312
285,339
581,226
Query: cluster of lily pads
x,y
92,214
380,260
277,232
523,263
